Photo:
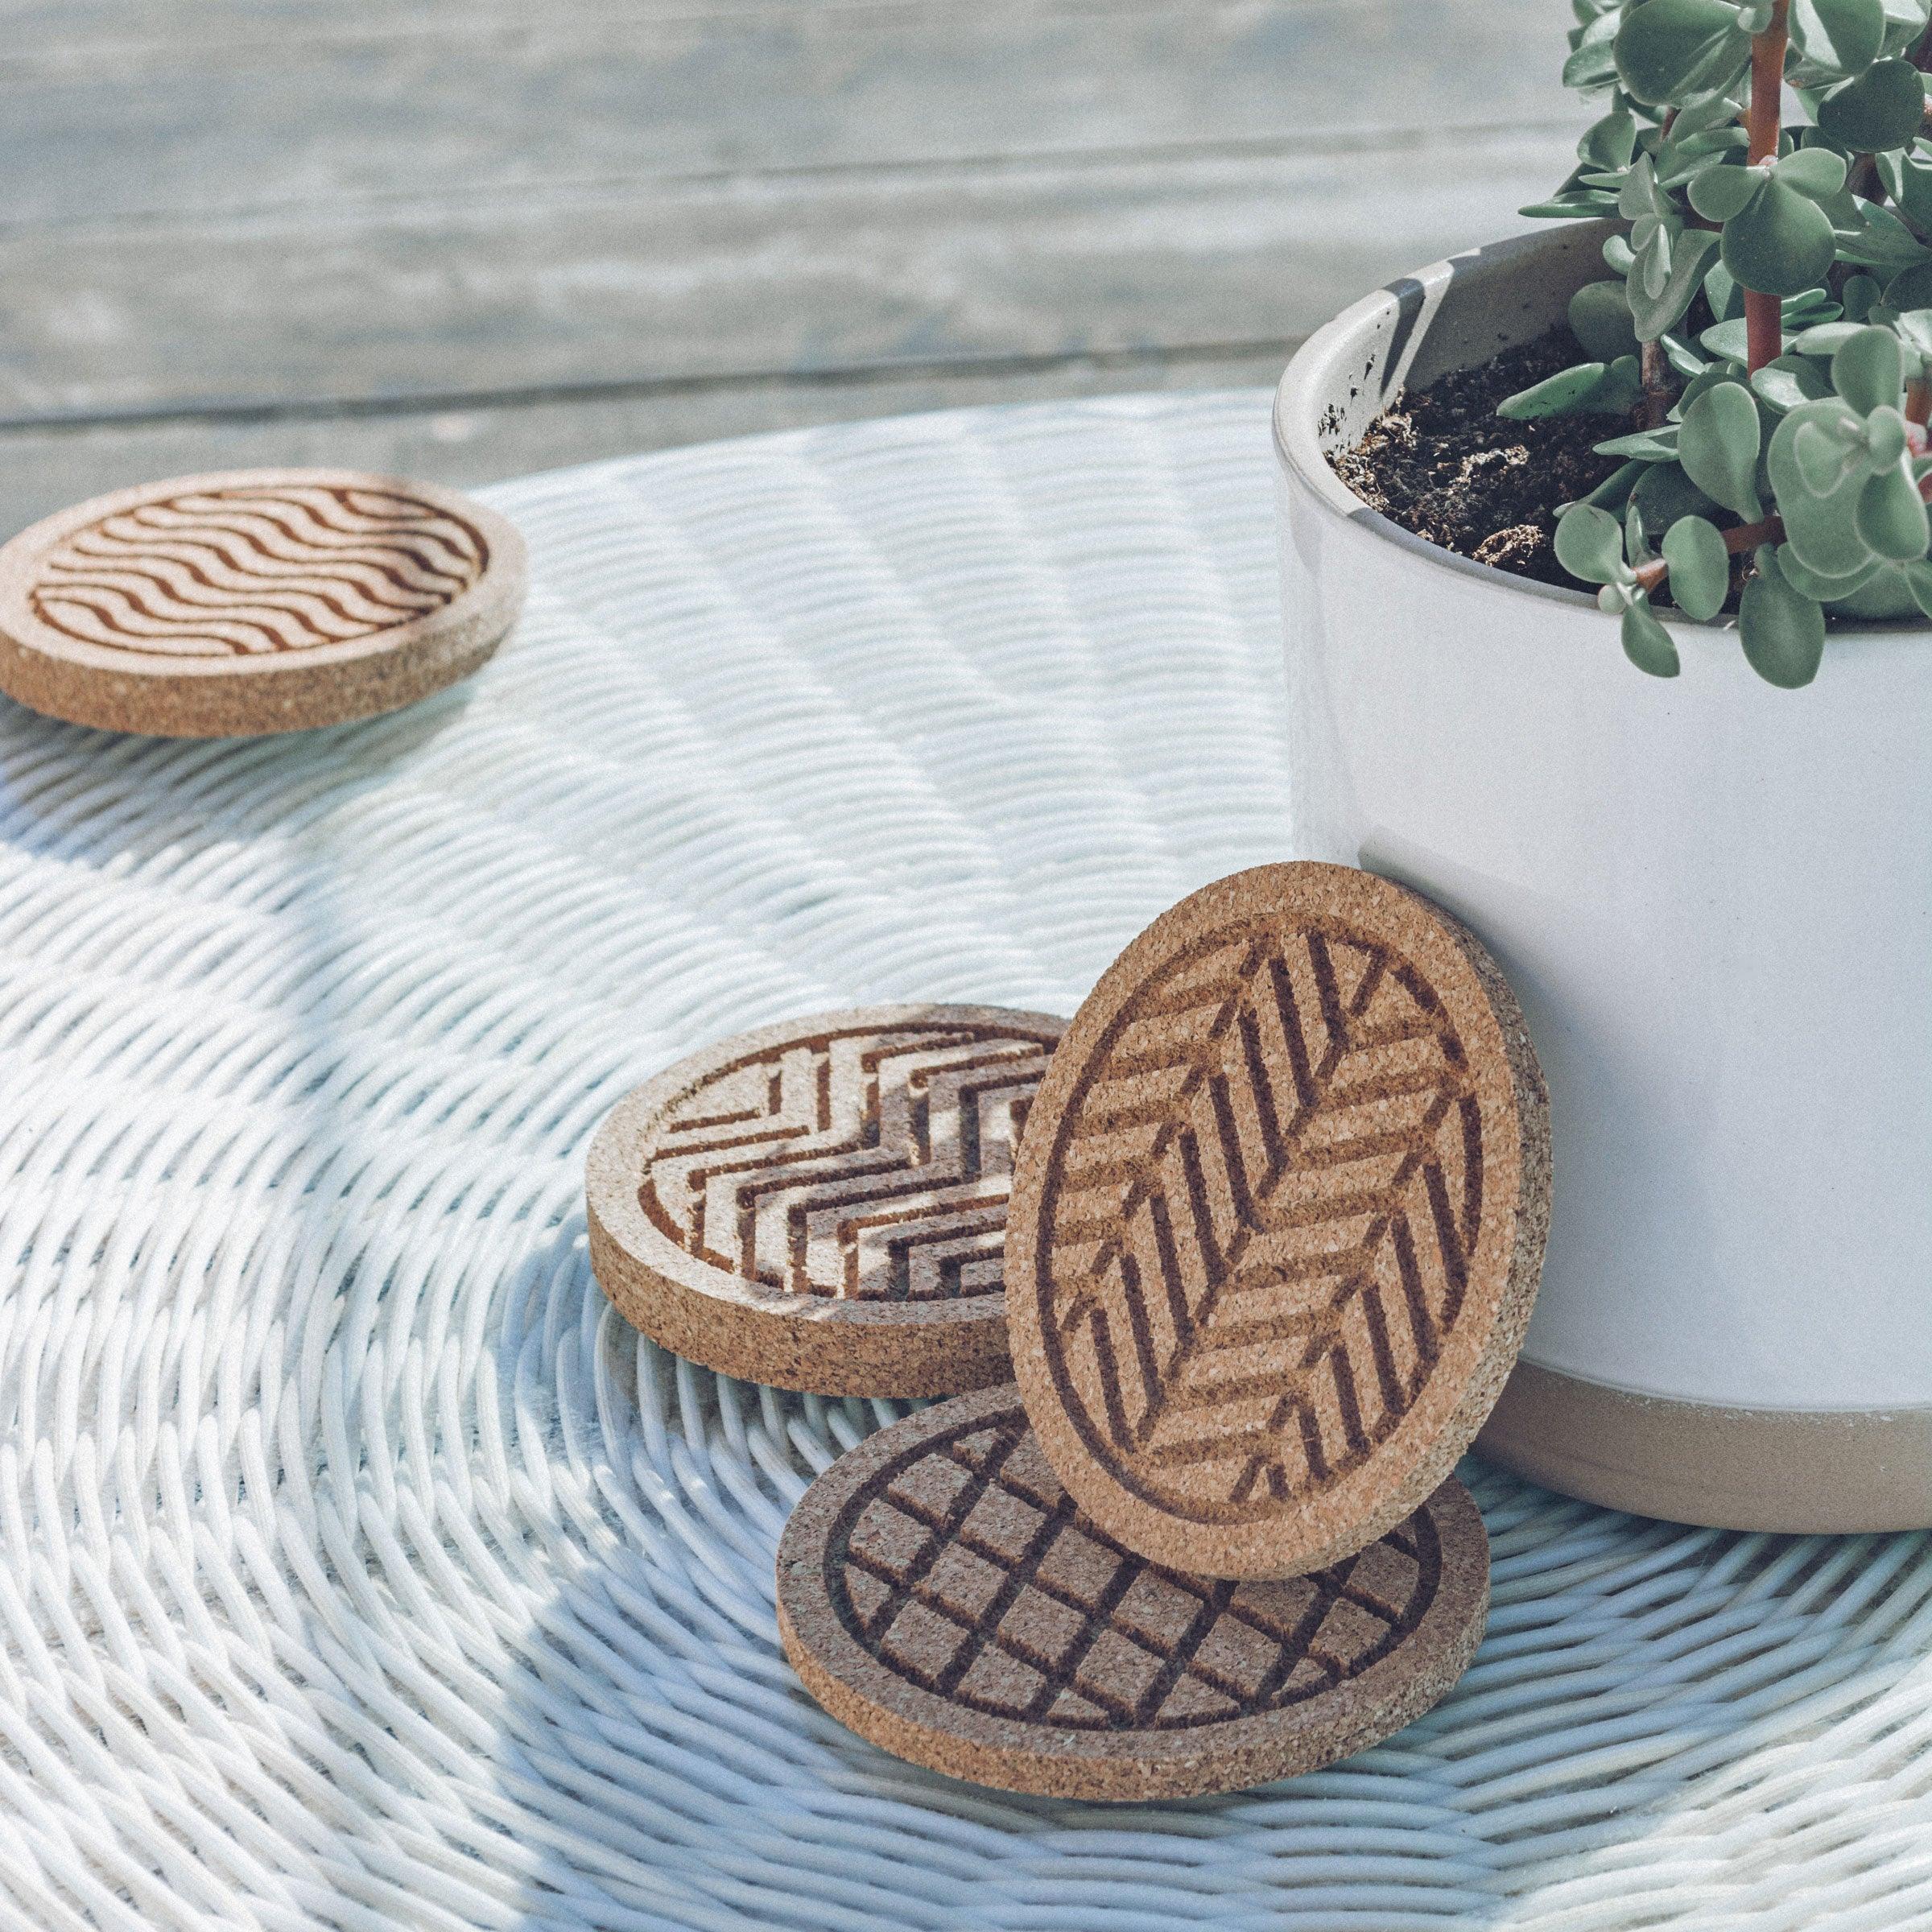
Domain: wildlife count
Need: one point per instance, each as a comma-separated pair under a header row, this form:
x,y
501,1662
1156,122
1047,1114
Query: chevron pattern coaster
x,y
940,1593
254,600
1278,1222
823,1204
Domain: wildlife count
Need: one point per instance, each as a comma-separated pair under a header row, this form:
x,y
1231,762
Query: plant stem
x,y
1658,388
1746,537
1764,328
1918,403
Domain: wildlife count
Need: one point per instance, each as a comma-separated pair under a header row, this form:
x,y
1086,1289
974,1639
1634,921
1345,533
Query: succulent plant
x,y
1764,329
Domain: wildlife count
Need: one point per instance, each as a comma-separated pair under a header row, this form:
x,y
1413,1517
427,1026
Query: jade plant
x,y
1764,331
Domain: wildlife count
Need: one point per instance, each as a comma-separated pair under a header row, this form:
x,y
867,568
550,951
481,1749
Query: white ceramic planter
x,y
1715,901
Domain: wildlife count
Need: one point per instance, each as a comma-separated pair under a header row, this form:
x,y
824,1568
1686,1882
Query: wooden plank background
x,y
468,238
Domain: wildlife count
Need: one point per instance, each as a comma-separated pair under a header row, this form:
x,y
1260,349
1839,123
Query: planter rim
x,y
1298,446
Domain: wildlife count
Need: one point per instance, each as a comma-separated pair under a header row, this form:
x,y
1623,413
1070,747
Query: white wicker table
x,y
358,1568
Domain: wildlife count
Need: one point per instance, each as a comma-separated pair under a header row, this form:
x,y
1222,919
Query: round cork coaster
x,y
940,1593
254,600
822,1204
1278,1221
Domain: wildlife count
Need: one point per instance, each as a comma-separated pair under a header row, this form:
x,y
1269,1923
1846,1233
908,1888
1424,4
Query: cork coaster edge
x,y
160,695
1439,1427
924,1728
723,1322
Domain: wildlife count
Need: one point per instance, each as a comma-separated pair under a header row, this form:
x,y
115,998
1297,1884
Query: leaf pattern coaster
x,y
253,601
1278,1222
822,1204
940,1593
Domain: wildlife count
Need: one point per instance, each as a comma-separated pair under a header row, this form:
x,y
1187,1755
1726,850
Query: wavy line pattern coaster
x,y
822,1204
253,601
1278,1221
941,1594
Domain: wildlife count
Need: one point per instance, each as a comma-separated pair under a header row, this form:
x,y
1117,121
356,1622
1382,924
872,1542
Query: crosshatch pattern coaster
x,y
822,1204
254,600
939,1591
1278,1222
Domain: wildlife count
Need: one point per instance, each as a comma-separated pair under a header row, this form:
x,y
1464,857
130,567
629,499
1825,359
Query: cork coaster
x,y
1278,1221
940,1593
822,1204
254,600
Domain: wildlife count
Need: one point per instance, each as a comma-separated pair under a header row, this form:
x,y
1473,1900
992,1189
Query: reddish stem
x,y
1918,410
1746,536
1763,327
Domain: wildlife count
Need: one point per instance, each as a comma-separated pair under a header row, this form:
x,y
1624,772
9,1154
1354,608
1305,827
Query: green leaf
x,y
1728,342
1783,630
1881,109
1789,381
1653,315
1918,580
1908,178
1611,142
1816,171
1824,530
1570,208
1845,35
1653,445
1638,195
1621,389
1824,458
1611,493
1562,394
1646,643
1885,594
1721,193
1714,113
1861,294
1722,292
1599,319
1671,50
1866,370
1824,590
1636,535
1872,236
1781,243
1683,358
1914,329
1717,444
1912,289
1680,158
1713,374
1592,65
1700,567
1664,494
1892,516
1590,544
1825,338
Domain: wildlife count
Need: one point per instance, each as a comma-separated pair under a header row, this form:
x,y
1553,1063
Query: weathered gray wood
x,y
466,237
43,470
511,293
301,118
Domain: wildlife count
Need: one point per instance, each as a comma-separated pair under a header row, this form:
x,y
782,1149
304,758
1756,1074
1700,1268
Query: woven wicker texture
x,y
359,1567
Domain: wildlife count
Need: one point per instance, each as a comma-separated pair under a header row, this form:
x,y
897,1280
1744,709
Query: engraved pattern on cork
x,y
870,1165
963,1567
256,569
1268,1186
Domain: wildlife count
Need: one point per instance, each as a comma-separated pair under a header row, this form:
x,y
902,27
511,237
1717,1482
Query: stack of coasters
x,y
1274,1235
252,601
